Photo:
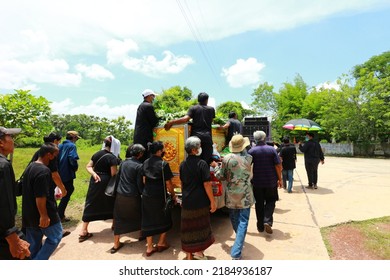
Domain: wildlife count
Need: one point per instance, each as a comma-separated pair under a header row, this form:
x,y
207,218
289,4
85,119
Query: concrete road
x,y
349,189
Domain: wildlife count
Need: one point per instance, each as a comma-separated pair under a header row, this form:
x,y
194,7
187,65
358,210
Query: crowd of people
x,y
253,172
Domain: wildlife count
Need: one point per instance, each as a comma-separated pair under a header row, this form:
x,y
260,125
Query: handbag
x,y
216,185
19,186
111,186
169,202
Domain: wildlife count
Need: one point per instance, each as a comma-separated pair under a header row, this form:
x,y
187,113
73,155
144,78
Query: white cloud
x,y
243,73
151,66
17,74
98,107
95,72
118,50
328,85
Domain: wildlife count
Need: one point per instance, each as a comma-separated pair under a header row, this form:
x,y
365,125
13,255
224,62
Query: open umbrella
x,y
302,124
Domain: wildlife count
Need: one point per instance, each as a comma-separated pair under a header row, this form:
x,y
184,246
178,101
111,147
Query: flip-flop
x,y
201,258
113,250
82,238
162,248
148,254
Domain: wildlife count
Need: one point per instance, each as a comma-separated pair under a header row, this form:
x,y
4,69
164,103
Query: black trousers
x,y
265,205
312,172
65,200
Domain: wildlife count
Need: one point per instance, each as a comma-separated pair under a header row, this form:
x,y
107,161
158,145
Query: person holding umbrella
x,y
313,156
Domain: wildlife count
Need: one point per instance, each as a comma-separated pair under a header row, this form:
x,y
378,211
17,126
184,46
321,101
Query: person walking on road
x,y
67,168
267,170
236,170
39,208
313,156
12,244
288,154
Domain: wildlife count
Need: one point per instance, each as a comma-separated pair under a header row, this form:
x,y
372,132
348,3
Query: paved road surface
x,y
349,189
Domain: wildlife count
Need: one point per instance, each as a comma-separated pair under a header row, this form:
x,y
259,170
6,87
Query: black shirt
x,y
145,121
37,182
7,199
312,151
234,127
202,117
130,178
193,173
152,170
288,154
102,165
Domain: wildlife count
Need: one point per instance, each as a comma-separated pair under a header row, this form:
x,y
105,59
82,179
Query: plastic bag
x,y
57,193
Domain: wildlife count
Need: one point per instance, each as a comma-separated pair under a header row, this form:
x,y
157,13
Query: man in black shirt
x,y
145,121
39,208
11,245
202,117
288,154
233,126
313,156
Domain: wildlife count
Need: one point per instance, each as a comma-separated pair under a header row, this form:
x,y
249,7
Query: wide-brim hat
x,y
238,143
74,134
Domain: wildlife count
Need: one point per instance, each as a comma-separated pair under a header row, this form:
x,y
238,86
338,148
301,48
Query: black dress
x,y
127,208
154,219
99,206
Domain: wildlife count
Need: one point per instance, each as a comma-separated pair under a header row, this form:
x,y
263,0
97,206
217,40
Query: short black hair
x,y
47,148
134,150
232,115
155,147
286,140
51,137
202,98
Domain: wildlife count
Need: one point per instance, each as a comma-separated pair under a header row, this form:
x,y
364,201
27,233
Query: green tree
x,y
223,110
373,84
264,101
30,113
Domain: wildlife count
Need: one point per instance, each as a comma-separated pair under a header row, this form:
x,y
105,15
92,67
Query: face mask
x,y
199,152
306,138
162,154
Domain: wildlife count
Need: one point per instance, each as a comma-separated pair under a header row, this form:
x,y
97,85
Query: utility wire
x,y
198,38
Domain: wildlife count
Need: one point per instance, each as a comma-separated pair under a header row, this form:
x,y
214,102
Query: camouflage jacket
x,y
236,171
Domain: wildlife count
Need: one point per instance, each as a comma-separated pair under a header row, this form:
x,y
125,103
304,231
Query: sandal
x,y
162,248
148,254
200,257
82,238
113,250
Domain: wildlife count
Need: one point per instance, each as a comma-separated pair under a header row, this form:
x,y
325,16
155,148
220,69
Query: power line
x,y
198,38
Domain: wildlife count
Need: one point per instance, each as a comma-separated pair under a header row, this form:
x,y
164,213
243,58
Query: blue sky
x,y
96,57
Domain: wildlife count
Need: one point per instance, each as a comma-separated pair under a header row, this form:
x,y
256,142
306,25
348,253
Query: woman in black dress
x,y
127,208
99,206
157,179
197,202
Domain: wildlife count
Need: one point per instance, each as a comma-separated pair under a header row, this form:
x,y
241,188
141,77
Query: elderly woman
x,y
99,206
157,177
236,170
127,208
197,202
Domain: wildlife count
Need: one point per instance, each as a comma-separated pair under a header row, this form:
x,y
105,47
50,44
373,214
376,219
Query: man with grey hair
x,y
266,180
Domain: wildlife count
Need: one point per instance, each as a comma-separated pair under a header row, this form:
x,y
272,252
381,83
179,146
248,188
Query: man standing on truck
x,y
202,117
145,121
233,126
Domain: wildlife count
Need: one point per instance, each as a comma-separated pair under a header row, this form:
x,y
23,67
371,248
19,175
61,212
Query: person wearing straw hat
x,y
236,171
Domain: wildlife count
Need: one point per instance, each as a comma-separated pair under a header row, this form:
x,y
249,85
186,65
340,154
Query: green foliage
x,y
264,100
30,113
173,100
223,110
94,129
